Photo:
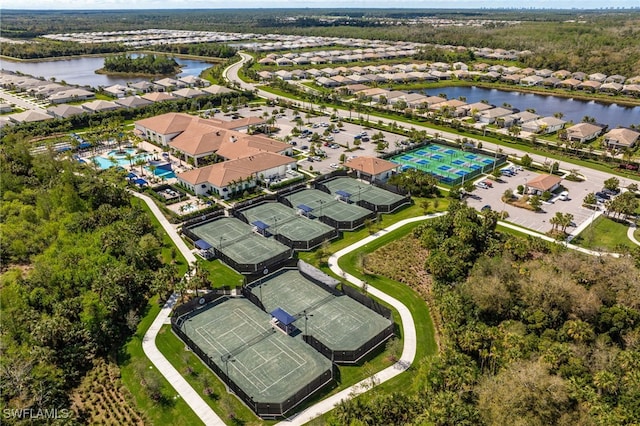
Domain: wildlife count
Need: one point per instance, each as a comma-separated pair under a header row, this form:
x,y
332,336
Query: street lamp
x,y
306,318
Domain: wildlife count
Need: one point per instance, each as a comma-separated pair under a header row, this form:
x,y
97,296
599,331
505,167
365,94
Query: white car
x,y
482,185
333,165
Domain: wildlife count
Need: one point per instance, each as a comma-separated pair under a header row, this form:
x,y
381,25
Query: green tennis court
x,y
237,241
362,191
283,220
339,322
268,365
324,204
447,164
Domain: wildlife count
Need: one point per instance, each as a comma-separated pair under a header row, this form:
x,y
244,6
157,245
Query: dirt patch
x,y
102,399
403,261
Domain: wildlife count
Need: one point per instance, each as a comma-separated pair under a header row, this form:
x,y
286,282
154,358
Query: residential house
x,y
133,102
598,76
494,115
117,90
524,117
216,89
615,78
71,95
542,183
143,87
611,87
283,75
621,138
65,111
570,83
100,106
188,93
590,85
159,97
169,84
29,116
583,132
532,80
372,168
544,125
194,81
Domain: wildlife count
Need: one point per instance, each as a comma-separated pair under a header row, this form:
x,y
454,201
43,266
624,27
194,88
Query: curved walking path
x,y
631,234
408,329
173,376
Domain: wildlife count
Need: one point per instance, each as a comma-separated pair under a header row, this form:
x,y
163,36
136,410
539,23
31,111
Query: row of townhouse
x,y
405,73
186,87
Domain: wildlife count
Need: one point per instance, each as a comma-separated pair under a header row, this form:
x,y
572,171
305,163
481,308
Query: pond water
x,y
573,109
81,71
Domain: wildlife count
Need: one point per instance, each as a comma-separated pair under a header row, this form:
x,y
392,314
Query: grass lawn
x,y
605,234
131,360
220,274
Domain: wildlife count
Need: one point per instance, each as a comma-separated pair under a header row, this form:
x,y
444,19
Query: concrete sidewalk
x,y
408,330
173,376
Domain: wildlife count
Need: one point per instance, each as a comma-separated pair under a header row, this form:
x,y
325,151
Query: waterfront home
x,y
544,125
621,138
71,95
583,132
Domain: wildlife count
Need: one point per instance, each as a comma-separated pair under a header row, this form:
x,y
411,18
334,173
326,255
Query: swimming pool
x,y
119,158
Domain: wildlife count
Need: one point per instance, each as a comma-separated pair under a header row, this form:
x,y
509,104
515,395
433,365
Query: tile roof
x,y
544,182
370,165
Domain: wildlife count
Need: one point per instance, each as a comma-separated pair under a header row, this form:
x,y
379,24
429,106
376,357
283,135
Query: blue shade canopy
x,y
305,208
202,245
283,316
343,194
260,225
140,181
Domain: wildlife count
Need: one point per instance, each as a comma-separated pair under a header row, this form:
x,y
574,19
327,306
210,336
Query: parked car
x,y
485,208
564,196
603,195
333,165
482,185
488,183
304,147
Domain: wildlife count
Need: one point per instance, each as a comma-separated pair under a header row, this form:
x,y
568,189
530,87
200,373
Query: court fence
x,y
376,208
300,245
499,159
328,284
261,408
353,356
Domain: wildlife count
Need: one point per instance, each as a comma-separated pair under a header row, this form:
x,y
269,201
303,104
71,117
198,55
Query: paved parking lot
x,y
492,196
536,221
344,138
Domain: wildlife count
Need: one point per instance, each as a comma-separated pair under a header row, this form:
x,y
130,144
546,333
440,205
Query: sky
x,y
224,4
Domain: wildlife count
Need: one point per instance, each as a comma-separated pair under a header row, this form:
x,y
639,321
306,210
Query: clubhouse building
x,y
233,161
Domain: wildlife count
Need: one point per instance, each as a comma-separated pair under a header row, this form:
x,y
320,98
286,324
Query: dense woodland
x,y
78,266
144,64
531,334
589,41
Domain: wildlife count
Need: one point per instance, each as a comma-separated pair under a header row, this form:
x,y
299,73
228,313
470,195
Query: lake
x,y
573,109
81,71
